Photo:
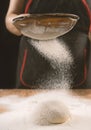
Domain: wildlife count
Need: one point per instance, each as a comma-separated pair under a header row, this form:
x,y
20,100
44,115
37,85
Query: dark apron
x,y
36,71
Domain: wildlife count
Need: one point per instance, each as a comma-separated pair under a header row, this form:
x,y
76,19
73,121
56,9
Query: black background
x,y
9,45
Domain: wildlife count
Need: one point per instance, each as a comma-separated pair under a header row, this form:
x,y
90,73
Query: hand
x,y
18,21
13,28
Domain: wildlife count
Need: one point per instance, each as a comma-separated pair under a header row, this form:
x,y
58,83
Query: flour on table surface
x,y
21,112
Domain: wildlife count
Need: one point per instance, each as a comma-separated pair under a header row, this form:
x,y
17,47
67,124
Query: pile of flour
x,y
20,111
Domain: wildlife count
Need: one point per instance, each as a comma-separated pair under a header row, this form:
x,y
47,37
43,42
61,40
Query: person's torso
x,y
63,61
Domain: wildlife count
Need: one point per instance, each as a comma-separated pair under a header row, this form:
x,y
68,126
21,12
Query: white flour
x,y
54,50
61,60
46,32
21,114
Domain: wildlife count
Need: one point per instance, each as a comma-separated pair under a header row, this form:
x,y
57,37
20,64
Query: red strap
x,y
28,5
89,12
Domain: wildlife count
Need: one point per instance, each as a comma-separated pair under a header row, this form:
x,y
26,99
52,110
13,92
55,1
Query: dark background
x,y
9,45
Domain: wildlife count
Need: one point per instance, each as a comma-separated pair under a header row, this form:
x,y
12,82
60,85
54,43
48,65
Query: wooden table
x,y
28,92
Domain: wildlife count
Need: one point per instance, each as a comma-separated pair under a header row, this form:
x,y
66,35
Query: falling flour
x,y
54,50
61,60
22,111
